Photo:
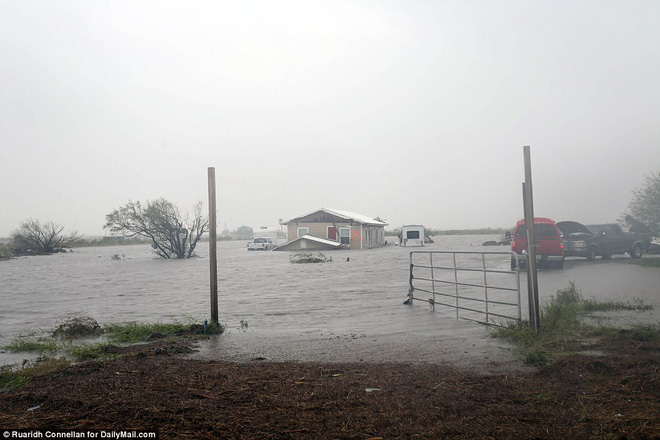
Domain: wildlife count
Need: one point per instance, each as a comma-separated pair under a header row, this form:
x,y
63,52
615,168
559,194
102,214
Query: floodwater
x,y
348,310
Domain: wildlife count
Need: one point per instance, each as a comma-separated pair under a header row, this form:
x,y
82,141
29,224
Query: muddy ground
x,y
612,395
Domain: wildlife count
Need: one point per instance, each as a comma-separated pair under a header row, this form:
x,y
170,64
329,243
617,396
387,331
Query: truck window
x,y
613,230
541,230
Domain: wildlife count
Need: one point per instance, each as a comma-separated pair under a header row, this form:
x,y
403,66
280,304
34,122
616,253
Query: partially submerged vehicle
x,y
412,235
261,244
549,245
604,240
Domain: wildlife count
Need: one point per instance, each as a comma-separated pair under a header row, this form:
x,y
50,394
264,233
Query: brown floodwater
x,y
338,311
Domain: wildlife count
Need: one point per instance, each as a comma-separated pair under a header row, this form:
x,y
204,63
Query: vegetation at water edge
x,y
71,338
564,326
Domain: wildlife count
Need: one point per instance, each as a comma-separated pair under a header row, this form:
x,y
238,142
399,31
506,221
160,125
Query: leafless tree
x,y
43,239
172,236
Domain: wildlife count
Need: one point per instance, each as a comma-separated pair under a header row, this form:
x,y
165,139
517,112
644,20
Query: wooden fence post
x,y
532,278
213,256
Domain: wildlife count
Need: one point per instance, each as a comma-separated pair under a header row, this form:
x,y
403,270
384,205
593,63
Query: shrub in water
x,y
309,258
77,325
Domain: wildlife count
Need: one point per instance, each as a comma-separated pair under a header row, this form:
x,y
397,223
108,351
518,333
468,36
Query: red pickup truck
x,y
549,244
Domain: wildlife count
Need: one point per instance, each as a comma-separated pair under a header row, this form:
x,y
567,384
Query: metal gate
x,y
479,285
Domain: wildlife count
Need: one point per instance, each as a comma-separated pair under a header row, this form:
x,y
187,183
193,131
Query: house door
x,y
332,233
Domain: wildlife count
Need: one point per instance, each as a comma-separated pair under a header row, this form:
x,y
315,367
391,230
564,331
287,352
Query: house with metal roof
x,y
332,228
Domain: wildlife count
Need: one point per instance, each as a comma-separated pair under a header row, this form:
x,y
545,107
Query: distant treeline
x,y
110,241
116,241
434,232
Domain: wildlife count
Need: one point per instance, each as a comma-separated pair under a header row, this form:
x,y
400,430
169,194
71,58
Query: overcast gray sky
x,y
414,111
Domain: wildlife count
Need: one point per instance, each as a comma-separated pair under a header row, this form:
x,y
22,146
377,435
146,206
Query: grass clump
x,y
217,329
134,332
591,305
642,333
562,328
94,351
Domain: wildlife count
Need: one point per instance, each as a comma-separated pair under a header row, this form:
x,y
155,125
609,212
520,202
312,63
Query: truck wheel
x,y
591,253
636,251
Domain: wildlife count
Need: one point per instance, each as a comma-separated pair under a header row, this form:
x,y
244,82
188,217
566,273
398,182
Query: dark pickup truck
x,y
605,240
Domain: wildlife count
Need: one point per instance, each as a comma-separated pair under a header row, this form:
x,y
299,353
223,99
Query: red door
x,y
332,233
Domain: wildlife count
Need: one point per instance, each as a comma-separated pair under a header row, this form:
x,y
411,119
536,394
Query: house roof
x,y
359,218
328,243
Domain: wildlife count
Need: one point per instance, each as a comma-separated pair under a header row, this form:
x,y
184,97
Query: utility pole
x,y
532,279
213,255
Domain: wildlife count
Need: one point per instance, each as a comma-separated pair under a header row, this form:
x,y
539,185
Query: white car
x,y
261,244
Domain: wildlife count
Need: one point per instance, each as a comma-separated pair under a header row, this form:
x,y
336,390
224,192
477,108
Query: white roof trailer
x,y
412,235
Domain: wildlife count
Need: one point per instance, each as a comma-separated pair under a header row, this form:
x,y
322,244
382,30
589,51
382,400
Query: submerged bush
x,y
309,258
78,325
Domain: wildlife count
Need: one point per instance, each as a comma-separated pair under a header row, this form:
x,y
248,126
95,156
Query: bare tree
x,y
161,221
43,239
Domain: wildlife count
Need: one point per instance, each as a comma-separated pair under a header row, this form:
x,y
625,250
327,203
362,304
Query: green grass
x,y
134,332
77,326
13,378
35,345
591,305
643,333
562,327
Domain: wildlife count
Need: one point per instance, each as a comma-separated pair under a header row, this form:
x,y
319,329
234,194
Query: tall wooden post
x,y
213,256
532,278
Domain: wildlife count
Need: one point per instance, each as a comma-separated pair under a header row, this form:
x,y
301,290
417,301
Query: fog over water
x,y
413,111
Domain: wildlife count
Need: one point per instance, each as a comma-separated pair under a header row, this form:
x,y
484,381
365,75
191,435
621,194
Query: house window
x,y
302,231
345,234
412,235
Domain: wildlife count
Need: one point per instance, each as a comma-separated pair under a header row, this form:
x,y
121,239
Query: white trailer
x,y
412,235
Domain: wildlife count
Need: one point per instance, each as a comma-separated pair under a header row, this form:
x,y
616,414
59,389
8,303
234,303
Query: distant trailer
x,y
412,235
